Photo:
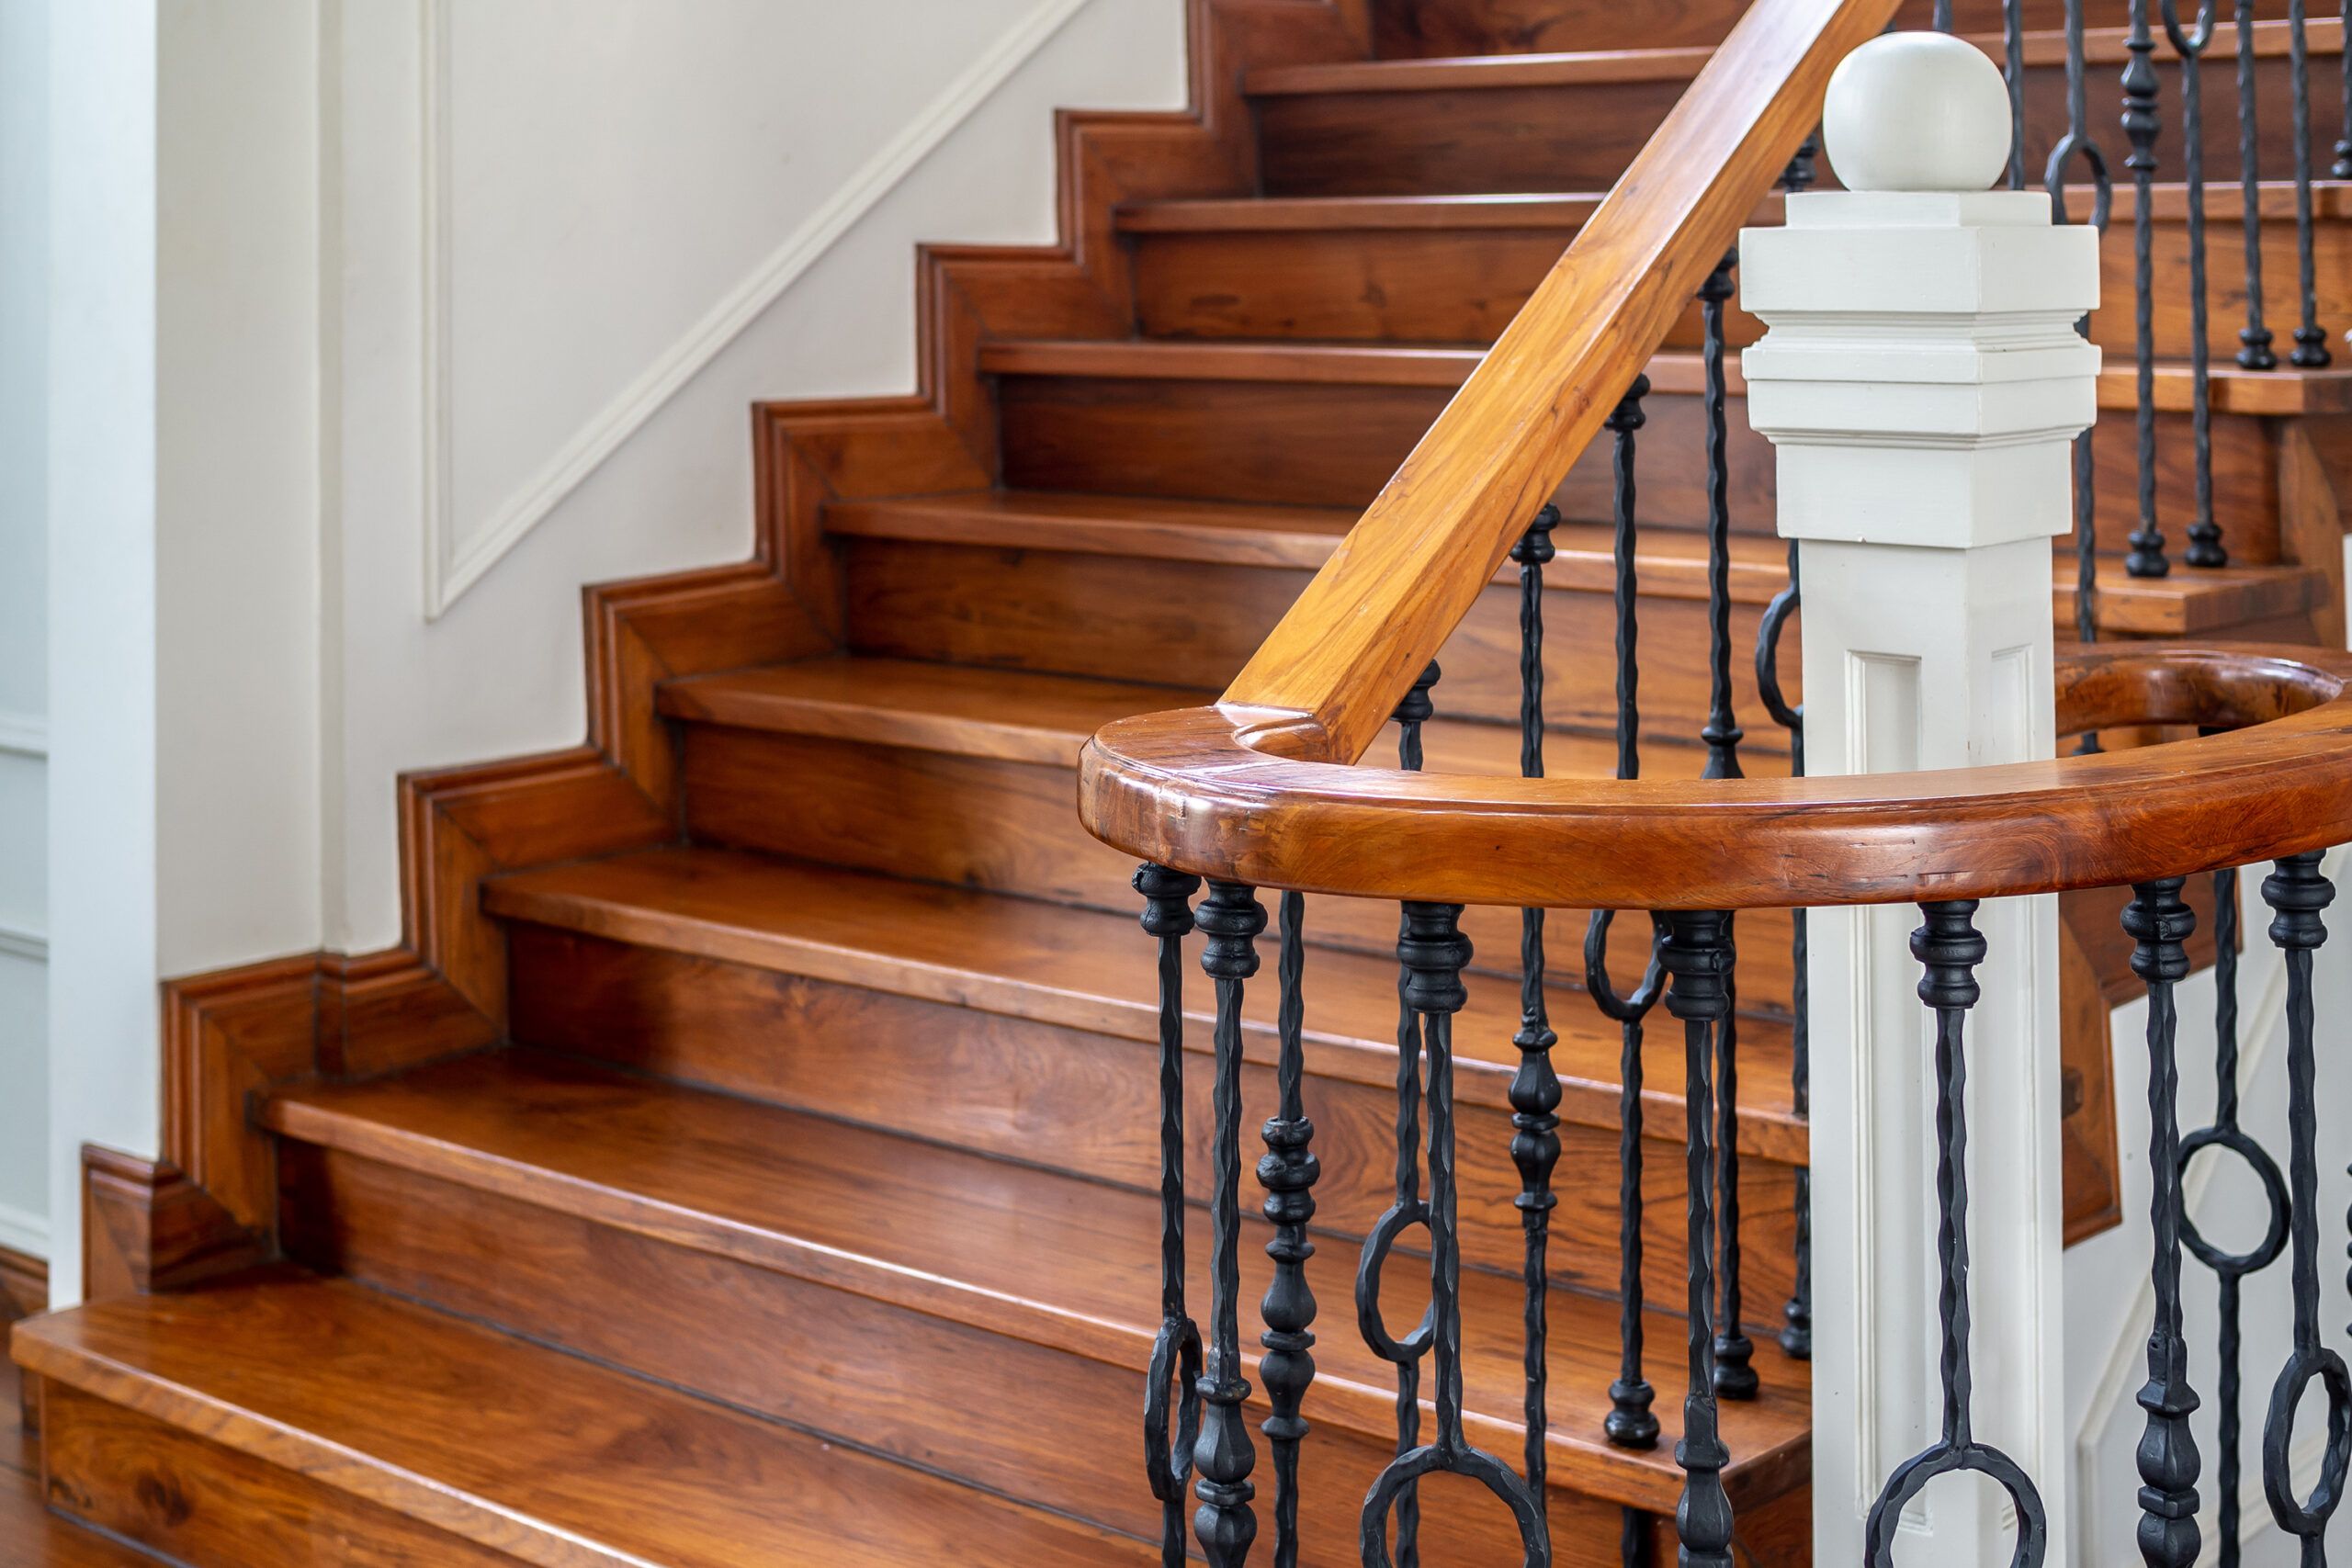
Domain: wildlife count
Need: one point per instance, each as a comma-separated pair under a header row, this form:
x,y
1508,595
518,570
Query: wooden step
x,y
1025,1256
259,1422
1456,268
1574,120
30,1535
1325,424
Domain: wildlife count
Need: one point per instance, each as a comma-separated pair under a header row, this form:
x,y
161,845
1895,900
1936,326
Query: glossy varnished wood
x,y
1018,1252
504,1447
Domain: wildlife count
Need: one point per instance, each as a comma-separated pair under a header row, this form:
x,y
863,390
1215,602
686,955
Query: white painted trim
x,y
15,942
455,561
25,1230
24,735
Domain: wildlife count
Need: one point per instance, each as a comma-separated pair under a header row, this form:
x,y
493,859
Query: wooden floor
x,y
30,1535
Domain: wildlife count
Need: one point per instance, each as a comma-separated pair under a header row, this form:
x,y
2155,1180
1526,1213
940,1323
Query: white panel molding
x,y
15,942
24,735
458,555
24,1230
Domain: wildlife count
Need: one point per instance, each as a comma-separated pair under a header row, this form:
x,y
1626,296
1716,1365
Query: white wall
x,y
24,699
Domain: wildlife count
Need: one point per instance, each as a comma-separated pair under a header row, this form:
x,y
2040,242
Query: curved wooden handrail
x,y
1226,792
1407,573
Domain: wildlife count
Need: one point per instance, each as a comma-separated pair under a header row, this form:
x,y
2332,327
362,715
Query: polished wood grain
x,y
1072,967
506,1446
1019,1252
1224,791
30,1535
146,1226
1021,1419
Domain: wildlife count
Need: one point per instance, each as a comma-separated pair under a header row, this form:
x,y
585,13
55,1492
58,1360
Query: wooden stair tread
x,y
1087,969
1681,63
1672,562
1035,1255
520,1449
2233,389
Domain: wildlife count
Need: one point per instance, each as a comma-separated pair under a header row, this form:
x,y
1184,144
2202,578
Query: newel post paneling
x,y
1921,381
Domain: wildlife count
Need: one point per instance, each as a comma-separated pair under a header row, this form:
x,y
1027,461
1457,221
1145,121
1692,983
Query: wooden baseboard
x,y
146,1226
24,1284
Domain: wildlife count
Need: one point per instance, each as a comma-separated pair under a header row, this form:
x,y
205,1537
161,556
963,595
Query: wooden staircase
x,y
748,1157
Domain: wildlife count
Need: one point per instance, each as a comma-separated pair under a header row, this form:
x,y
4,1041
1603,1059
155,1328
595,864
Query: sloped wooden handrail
x,y
1198,790
1407,573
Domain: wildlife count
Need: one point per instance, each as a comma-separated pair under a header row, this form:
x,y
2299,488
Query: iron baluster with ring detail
x,y
1287,1173
1948,947
1407,1209
1697,954
2160,924
2297,892
2230,1270
1230,919
1433,952
1535,1087
1796,1335
1169,1434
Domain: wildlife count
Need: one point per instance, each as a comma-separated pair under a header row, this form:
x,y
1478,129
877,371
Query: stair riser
x,y
1454,142
206,1506
1010,827
1433,27
1317,445
1088,1103
1034,1422
1197,623
1465,284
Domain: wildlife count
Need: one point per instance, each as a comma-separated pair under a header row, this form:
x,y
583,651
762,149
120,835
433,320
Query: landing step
x,y
480,1448
1090,970
2233,391
1028,1254
1670,563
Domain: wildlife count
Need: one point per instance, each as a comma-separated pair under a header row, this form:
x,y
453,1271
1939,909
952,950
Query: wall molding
x,y
24,735
24,1230
15,942
457,556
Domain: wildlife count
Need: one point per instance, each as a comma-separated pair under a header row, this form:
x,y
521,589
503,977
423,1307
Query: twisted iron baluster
x,y
2231,1268
1948,947
2013,77
1169,1437
1230,918
2140,127
1697,953
1940,17
1799,175
1433,952
1288,1172
1535,1087
2311,341
1796,1333
2160,924
2297,892
2341,169
2254,338
2077,143
1735,1376
2204,534
1407,1210
1630,1422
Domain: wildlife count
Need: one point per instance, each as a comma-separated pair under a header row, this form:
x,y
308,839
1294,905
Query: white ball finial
x,y
1917,111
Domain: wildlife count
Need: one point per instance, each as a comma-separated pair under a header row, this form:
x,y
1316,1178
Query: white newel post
x,y
1922,381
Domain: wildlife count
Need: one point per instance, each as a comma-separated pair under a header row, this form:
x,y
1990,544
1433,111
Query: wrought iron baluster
x,y
2160,925
1535,1087
1407,1209
2254,338
2013,78
1796,1333
2077,144
2341,169
1169,1434
1799,175
1288,1172
1630,1423
1735,1375
2230,1270
2140,127
1697,953
1230,918
1433,952
1948,947
2311,340
2204,534
2297,892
